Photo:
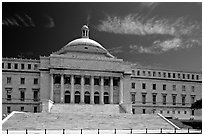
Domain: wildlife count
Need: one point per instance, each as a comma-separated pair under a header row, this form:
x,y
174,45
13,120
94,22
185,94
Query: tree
x,y
197,104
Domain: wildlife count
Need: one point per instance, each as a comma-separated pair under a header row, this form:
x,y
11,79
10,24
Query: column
x,y
82,89
62,88
111,90
102,91
51,87
72,88
121,91
92,90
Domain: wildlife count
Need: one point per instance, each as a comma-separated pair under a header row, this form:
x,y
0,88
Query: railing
x,y
161,103
102,131
20,100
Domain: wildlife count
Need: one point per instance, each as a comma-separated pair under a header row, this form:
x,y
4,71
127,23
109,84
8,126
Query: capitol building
x,y
84,72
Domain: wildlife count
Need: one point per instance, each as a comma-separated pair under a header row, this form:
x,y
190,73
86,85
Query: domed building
x,y
83,72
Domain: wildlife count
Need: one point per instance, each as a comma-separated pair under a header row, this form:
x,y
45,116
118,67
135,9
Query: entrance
x,y
106,98
77,97
67,97
87,97
96,97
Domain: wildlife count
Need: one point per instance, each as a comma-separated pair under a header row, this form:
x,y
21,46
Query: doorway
x,y
67,97
77,97
96,97
106,98
87,97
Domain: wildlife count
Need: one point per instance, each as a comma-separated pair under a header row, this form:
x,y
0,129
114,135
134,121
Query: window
x,y
173,111
77,80
67,80
168,112
87,80
22,94
154,87
8,109
9,66
115,82
174,87
133,111
192,98
154,98
183,76
143,111
35,95
22,108
144,73
197,77
143,86
2,65
192,112
164,99
159,74
22,81
35,66
161,111
96,81
106,81
179,112
22,66
8,80
174,75
133,72
35,81
8,91
149,73
57,79
133,97
188,76
174,99
164,87
133,85
15,66
154,74
29,66
164,74
143,98
192,77
169,75
183,88
185,112
35,109
192,88
138,72
183,99
179,75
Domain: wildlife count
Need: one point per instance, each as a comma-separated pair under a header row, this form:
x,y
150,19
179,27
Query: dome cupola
x,y
85,31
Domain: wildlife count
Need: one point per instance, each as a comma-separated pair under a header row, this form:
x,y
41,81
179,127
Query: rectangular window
x,y
138,72
67,80
179,75
87,80
77,80
192,88
15,66
35,81
22,108
159,74
133,97
183,88
174,75
143,98
154,98
144,73
96,81
8,109
168,112
185,112
133,72
143,111
22,95
106,82
169,75
29,66
164,87
2,65
8,91
22,81
164,74
197,77
192,112
36,95
154,74
9,66
161,112
115,82
8,80
173,111
143,86
183,100
174,87
179,112
149,73
22,66
192,77
133,85
184,76
35,109
174,99
188,76
192,98
154,87
164,99
35,66
57,79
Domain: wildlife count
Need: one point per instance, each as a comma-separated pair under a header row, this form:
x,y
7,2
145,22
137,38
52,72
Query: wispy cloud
x,y
51,22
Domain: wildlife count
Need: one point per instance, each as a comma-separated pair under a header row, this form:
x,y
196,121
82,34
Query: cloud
x,y
116,50
51,22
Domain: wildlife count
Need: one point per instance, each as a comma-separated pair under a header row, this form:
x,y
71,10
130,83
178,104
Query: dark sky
x,y
162,35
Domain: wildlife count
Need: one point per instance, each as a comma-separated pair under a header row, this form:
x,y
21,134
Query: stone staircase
x,y
86,108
